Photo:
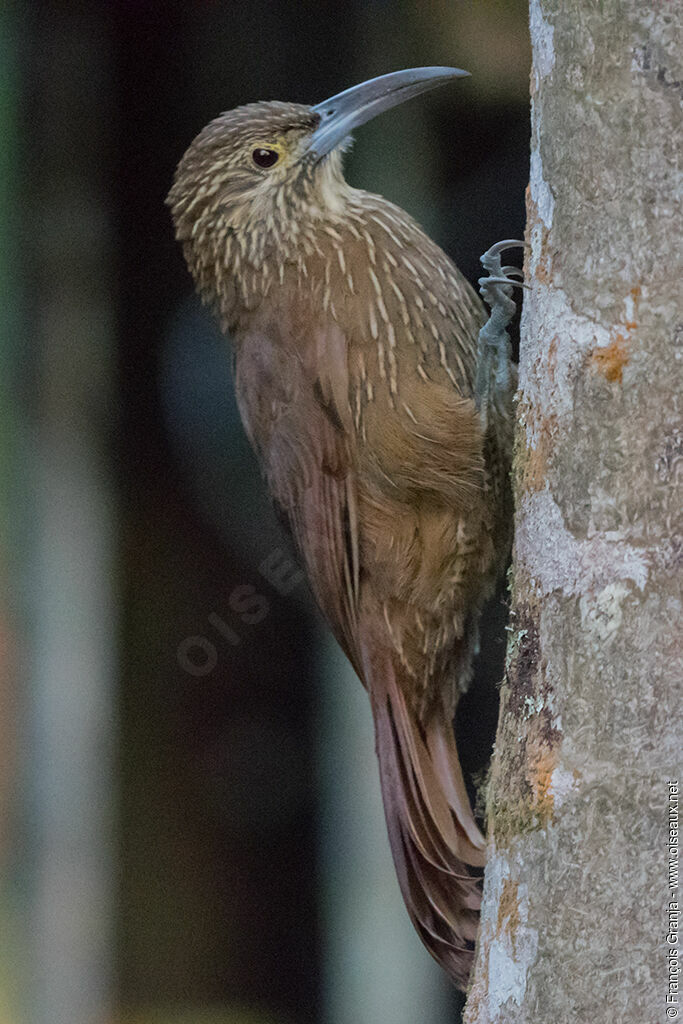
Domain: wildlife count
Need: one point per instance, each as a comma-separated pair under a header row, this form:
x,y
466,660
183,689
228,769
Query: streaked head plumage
x,y
265,163
261,188
252,166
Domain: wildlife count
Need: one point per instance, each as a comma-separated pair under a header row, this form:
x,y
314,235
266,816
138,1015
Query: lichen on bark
x,y
575,899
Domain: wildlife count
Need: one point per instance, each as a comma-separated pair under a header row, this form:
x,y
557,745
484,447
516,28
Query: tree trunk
x,y
578,896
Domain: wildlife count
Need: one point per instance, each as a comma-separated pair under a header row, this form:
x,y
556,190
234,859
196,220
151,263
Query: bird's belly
x,y
427,542
421,551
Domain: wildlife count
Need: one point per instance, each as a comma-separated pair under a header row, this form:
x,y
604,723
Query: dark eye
x,y
265,157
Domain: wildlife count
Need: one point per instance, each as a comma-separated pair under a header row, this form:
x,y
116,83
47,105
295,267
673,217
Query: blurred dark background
x,y
190,825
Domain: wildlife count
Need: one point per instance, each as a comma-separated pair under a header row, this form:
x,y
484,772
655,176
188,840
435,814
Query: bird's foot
x,y
496,378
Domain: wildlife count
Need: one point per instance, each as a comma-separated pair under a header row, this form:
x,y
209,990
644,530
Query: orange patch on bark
x,y
541,763
535,468
534,465
611,360
508,908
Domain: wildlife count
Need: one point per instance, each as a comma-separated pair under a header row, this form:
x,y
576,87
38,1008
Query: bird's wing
x,y
295,414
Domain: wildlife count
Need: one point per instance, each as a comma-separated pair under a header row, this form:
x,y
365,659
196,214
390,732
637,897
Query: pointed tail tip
x,y
433,835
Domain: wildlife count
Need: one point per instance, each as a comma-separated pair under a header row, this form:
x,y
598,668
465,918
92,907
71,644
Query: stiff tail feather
x,y
432,831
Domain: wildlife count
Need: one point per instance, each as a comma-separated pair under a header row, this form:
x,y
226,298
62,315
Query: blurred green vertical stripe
x,y
10,958
8,280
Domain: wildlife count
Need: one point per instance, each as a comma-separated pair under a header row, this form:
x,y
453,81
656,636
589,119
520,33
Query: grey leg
x,y
496,378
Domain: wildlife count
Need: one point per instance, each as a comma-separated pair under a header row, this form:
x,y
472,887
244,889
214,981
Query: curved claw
x,y
507,243
512,271
483,281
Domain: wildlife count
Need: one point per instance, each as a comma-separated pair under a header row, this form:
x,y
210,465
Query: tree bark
x,y
577,892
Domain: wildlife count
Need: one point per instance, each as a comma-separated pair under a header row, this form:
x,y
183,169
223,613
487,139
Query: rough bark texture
x,y
577,889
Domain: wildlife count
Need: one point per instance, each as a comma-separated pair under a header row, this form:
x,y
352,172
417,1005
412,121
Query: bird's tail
x,y
432,831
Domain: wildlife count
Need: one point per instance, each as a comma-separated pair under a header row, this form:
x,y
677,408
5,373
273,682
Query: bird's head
x,y
262,167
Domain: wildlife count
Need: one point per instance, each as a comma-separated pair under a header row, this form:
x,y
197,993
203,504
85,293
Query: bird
x,y
354,344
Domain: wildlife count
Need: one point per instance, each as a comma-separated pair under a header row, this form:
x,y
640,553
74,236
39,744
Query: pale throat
x,y
331,187
284,221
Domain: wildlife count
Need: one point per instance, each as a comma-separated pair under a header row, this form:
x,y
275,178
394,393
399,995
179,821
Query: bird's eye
x,y
265,157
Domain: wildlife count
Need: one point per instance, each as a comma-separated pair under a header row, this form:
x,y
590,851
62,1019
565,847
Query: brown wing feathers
x,y
433,834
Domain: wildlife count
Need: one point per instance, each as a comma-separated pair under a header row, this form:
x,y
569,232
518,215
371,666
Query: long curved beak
x,y
347,110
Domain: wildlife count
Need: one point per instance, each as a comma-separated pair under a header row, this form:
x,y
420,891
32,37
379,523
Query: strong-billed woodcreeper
x,y
355,346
